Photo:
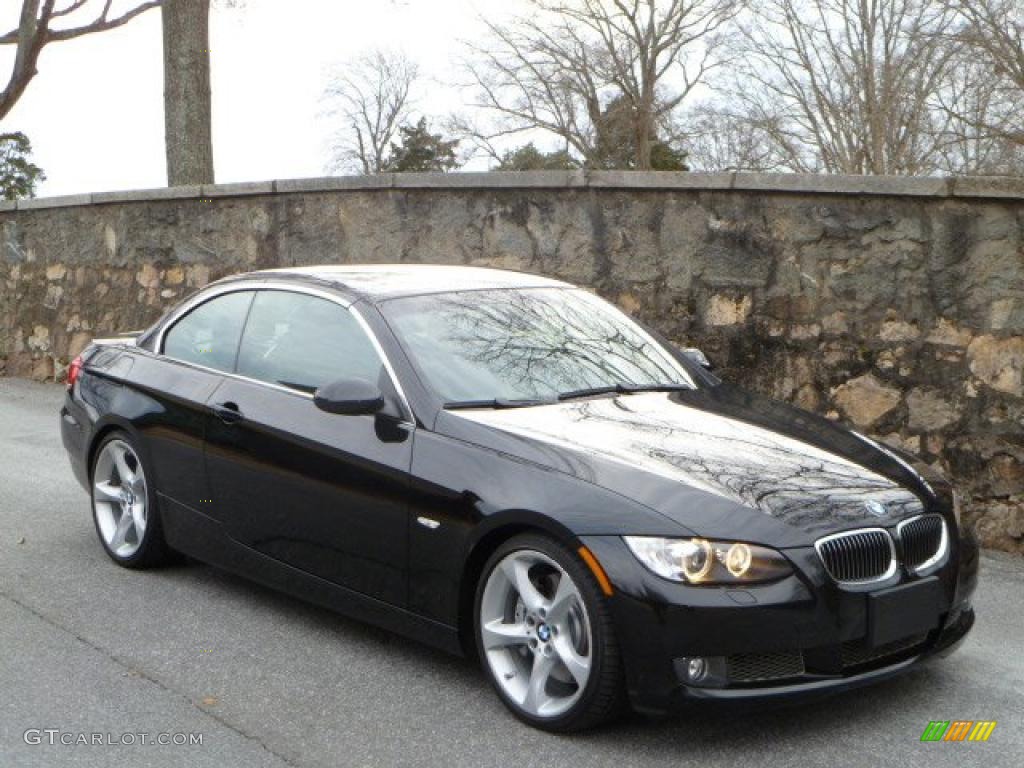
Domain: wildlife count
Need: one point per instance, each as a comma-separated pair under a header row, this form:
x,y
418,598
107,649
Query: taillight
x,y
73,370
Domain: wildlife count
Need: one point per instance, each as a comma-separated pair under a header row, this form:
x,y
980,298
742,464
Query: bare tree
x,y
47,21
979,134
721,139
560,65
372,98
993,32
187,100
847,86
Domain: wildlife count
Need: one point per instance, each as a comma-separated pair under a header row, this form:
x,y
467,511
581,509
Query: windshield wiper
x,y
620,389
590,392
630,388
497,402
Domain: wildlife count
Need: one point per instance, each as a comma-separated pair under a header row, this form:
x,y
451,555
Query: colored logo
x,y
958,730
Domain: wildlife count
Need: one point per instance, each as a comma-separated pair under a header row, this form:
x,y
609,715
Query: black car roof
x,y
385,281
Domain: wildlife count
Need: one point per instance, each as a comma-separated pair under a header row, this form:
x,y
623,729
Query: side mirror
x,y
349,397
698,357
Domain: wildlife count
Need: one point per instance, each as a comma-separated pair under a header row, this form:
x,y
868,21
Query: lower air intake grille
x,y
923,540
856,653
755,667
862,555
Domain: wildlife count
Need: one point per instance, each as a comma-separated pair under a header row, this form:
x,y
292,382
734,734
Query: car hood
x,y
719,461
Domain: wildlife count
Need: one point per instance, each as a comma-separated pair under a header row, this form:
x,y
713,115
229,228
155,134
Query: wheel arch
x,y
102,430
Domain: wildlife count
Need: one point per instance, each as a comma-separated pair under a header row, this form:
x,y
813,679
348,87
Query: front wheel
x,y
546,638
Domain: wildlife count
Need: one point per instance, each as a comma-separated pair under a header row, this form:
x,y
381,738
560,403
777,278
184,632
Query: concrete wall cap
x,y
659,180
335,183
989,186
64,201
487,180
237,190
973,187
145,195
812,183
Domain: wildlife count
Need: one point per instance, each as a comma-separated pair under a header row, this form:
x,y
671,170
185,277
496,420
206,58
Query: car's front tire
x,y
124,505
545,636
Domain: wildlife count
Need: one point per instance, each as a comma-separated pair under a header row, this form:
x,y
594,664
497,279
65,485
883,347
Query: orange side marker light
x,y
597,570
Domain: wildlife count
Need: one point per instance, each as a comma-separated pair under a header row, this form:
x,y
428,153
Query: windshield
x,y
515,346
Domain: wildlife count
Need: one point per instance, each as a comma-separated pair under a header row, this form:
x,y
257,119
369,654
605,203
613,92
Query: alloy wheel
x,y
119,498
535,633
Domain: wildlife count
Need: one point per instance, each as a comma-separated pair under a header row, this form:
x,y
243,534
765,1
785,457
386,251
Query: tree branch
x,y
103,23
34,32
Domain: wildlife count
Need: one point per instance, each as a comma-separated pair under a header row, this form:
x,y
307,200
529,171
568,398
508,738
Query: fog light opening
x,y
697,669
701,671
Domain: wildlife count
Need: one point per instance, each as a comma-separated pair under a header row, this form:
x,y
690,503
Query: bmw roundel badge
x,y
876,508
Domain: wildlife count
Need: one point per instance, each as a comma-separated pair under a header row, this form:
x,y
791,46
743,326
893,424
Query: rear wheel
x,y
545,636
123,506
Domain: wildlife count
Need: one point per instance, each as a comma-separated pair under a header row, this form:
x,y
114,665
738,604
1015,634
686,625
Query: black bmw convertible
x,y
505,465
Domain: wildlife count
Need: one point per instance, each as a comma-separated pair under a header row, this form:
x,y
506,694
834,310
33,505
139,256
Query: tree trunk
x,y
643,148
187,92
643,115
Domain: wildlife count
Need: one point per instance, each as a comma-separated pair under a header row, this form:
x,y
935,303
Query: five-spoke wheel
x,y
538,639
119,498
121,503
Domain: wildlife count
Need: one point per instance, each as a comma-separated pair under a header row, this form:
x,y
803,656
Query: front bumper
x,y
799,637
941,643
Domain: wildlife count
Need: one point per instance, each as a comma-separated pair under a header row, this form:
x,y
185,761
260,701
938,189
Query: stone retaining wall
x,y
895,304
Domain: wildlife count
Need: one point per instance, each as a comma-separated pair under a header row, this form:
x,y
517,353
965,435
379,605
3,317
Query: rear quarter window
x,y
209,334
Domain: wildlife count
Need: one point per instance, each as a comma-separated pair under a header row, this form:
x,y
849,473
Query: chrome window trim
x,y
893,561
213,291
384,358
940,554
408,416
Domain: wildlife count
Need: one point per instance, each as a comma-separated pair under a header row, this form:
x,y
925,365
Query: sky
x,y
94,113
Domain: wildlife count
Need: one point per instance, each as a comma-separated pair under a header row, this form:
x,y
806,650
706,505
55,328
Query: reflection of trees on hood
x,y
543,342
789,480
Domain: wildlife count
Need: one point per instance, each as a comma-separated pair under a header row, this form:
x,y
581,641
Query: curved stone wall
x,y
895,304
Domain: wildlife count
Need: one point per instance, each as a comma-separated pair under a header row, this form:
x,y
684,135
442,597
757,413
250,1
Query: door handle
x,y
227,412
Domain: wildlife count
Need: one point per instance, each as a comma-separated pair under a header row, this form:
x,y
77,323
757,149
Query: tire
x,y
118,480
550,653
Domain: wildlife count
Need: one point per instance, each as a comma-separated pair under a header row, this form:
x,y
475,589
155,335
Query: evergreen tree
x,y
617,141
529,158
421,150
18,175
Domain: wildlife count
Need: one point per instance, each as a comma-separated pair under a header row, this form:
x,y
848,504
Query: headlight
x,y
699,561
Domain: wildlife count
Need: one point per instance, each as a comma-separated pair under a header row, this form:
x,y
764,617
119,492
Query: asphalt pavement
x,y
265,680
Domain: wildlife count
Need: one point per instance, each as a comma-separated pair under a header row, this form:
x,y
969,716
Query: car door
x,y
195,351
325,493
